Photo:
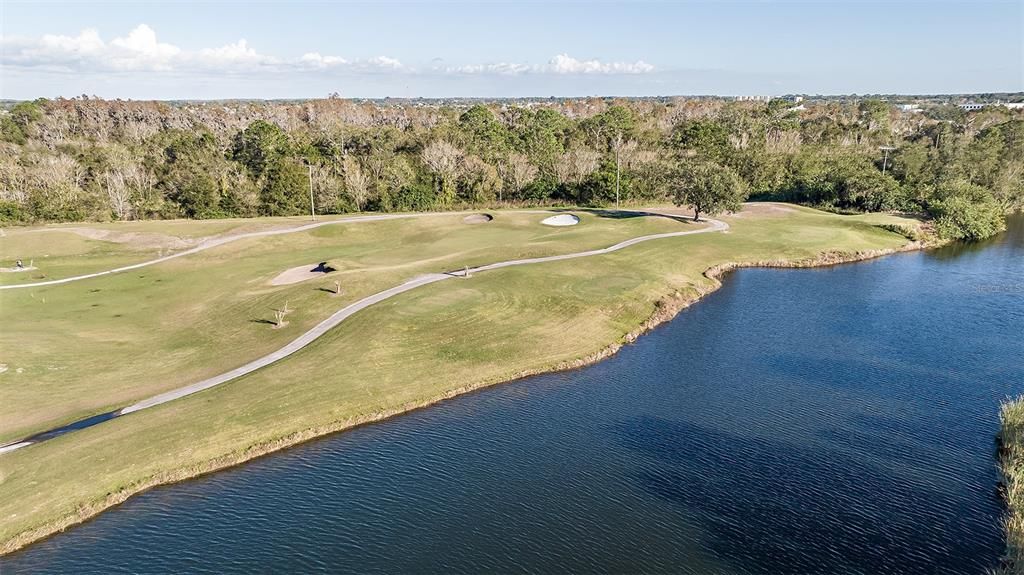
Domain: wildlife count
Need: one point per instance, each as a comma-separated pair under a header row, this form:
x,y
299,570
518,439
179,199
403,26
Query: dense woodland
x,y
91,159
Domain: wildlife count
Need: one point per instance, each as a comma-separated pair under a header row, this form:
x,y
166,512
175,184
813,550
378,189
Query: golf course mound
x,y
477,219
302,273
562,220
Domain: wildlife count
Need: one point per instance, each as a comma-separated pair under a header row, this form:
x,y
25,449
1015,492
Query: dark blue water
x,y
835,420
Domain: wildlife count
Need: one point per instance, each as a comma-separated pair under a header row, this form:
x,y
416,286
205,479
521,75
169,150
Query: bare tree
x,y
575,165
281,314
128,184
479,179
445,161
517,172
119,194
357,185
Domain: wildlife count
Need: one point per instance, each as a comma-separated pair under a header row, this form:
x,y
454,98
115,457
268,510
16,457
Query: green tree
x,y
188,172
707,139
259,146
285,192
483,134
964,211
709,188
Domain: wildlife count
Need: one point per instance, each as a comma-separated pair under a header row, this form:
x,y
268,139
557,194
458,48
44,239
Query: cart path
x,y
219,241
335,319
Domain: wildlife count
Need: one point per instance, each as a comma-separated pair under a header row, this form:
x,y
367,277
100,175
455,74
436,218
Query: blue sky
x,y
407,49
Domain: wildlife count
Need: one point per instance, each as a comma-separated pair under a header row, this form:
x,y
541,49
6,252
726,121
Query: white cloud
x,y
321,62
565,64
504,68
560,64
315,60
141,51
384,62
230,55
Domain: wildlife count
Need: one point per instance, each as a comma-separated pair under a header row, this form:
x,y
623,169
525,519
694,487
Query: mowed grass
x,y
87,347
65,250
407,351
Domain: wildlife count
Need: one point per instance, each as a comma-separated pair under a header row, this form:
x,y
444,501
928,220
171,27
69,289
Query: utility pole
x,y
312,210
618,146
885,156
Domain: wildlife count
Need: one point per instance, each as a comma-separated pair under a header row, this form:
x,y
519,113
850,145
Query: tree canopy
x,y
78,159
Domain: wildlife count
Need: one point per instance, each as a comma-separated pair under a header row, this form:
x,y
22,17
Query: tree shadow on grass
x,y
266,321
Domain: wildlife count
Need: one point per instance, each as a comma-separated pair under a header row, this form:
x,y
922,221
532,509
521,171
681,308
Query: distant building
x,y
971,106
909,107
753,98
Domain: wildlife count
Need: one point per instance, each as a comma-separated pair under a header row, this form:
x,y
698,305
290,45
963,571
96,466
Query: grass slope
x,y
91,346
417,348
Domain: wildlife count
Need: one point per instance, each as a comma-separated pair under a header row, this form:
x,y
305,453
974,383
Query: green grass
x,y
407,351
91,346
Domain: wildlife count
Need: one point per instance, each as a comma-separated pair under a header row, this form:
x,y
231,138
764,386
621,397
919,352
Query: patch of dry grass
x,y
1011,461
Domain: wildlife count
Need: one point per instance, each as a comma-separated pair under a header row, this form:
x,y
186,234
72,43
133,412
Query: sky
x,y
277,49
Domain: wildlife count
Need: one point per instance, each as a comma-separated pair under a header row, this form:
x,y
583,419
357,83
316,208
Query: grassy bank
x,y
92,346
412,350
1011,460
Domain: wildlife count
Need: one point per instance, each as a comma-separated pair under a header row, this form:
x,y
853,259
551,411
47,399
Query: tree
x,y
709,188
965,211
516,172
479,180
280,315
444,160
284,193
258,146
575,165
357,185
485,135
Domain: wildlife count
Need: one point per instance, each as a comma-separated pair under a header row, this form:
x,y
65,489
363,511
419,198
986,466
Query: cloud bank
x,y
141,51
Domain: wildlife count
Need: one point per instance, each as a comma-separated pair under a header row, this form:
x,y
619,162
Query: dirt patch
x,y
301,274
477,219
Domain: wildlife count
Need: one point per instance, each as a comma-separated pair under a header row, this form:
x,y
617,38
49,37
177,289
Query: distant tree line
x,y
91,159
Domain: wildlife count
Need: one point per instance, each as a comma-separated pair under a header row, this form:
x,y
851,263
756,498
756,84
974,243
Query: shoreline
x,y
666,308
1010,452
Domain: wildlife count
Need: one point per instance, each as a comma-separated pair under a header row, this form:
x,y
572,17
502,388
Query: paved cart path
x,y
332,321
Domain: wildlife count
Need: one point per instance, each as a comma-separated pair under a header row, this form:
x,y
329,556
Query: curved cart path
x,y
214,242
332,321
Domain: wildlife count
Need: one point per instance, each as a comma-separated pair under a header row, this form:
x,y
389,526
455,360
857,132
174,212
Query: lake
x,y
833,420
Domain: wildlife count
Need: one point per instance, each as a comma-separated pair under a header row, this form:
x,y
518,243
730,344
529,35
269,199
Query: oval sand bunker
x,y
562,220
477,219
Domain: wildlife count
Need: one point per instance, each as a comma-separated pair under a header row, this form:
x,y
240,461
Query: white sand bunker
x,y
562,220
17,269
477,219
301,274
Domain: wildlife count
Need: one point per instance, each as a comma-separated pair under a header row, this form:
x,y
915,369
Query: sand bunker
x,y
477,219
562,220
17,269
301,274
